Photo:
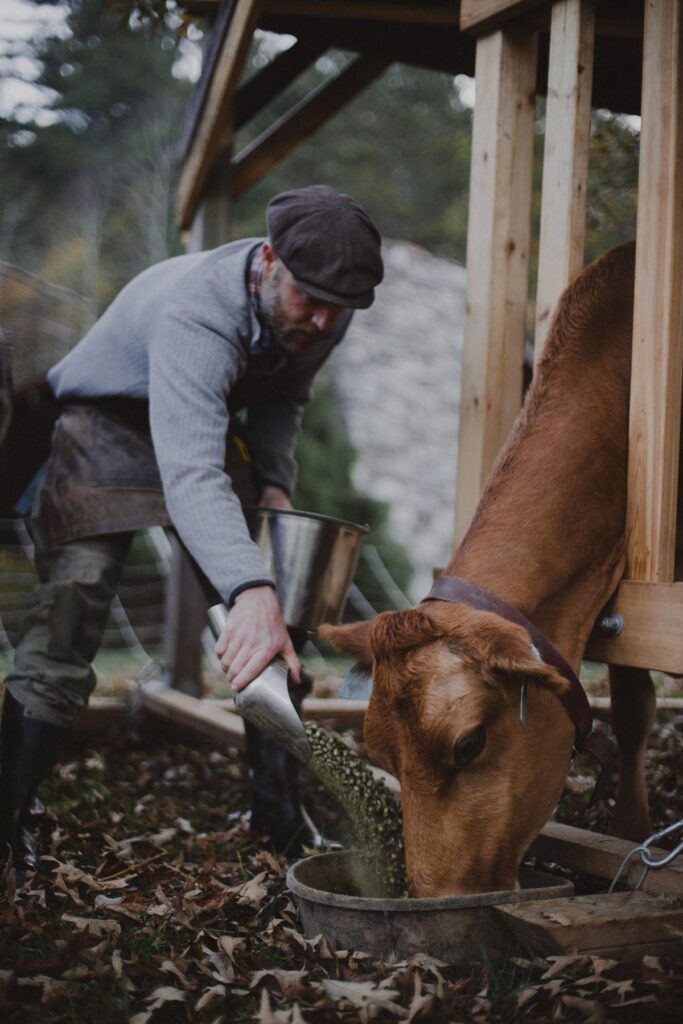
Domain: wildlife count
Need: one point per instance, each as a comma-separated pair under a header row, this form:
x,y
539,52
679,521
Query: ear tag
x,y
522,705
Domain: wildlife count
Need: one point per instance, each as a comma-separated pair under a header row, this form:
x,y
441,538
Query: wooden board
x,y
210,130
594,854
487,15
653,628
497,259
658,317
565,159
343,714
623,925
369,10
201,716
260,156
266,84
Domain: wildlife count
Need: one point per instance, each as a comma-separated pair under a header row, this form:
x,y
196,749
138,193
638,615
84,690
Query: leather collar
x,y
459,591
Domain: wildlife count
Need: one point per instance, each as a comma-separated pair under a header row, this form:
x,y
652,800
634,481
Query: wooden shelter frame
x,y
499,40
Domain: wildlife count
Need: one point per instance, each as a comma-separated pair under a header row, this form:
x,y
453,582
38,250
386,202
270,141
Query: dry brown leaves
x,y
153,906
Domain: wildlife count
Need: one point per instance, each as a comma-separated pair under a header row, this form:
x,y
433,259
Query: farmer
x,y
181,404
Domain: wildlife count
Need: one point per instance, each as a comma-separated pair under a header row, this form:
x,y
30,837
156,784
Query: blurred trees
x,y
87,185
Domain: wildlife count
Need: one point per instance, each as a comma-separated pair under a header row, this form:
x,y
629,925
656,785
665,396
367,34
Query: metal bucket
x,y
327,889
312,559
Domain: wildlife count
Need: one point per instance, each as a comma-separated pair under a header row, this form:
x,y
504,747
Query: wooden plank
x,y
623,923
658,317
261,88
653,628
256,159
601,706
345,714
102,713
209,132
369,10
184,621
497,259
486,15
565,160
200,716
600,856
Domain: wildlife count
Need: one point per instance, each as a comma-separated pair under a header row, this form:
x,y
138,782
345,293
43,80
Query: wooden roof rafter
x,y
209,134
256,159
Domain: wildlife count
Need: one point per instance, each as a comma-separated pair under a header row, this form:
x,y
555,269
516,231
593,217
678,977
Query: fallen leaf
x,y
165,994
364,995
95,925
210,995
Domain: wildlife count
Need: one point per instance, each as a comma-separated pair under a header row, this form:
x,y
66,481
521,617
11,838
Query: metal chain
x,y
646,859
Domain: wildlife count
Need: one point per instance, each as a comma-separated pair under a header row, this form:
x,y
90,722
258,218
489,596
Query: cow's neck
x,y
548,533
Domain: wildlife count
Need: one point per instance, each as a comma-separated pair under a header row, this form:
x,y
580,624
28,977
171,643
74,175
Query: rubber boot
x,y
28,750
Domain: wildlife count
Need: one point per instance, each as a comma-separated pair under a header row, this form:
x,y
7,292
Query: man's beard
x,y
291,339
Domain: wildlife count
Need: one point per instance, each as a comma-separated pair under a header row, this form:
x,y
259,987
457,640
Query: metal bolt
x,y
611,625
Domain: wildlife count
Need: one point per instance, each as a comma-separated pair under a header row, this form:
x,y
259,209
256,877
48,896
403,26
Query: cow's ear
x,y
353,639
395,634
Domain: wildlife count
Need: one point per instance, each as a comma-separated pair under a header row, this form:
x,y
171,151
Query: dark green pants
x,y
53,675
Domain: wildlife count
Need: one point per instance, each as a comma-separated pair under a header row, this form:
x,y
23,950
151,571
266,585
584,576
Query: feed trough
x,y
331,891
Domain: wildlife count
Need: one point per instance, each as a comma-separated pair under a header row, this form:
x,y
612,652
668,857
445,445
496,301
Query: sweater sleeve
x,y
193,365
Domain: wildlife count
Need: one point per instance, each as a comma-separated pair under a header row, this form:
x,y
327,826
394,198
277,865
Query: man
x,y
196,357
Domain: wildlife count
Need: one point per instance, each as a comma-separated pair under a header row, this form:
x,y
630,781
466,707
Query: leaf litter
x,y
154,905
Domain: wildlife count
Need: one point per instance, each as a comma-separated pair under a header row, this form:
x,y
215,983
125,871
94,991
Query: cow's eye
x,y
469,747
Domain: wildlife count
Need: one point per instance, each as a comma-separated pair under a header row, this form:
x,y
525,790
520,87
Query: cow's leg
x,y
633,713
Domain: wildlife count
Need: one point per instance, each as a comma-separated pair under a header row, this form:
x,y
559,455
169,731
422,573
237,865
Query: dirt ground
x,y
154,903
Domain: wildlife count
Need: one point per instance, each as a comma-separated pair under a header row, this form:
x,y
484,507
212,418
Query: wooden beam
x,y
656,376
256,159
199,716
261,88
565,160
369,10
652,636
624,926
484,16
594,854
343,714
497,258
601,706
184,622
206,143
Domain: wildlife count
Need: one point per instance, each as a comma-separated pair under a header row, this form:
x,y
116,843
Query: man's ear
x,y
353,639
269,256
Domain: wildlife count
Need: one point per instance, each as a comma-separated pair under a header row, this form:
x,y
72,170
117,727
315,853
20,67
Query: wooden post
x,y
658,327
497,258
186,605
206,143
565,161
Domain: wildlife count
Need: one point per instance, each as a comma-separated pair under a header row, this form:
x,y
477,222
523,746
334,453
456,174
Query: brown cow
x,y
547,538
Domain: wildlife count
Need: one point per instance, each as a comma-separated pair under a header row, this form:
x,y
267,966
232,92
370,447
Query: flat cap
x,y
328,243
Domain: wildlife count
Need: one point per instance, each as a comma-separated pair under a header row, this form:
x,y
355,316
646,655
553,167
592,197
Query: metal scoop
x,y
266,701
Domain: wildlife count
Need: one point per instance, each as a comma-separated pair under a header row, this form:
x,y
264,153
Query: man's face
x,y
297,320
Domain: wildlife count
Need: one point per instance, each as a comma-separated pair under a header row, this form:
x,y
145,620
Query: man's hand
x,y
274,497
253,635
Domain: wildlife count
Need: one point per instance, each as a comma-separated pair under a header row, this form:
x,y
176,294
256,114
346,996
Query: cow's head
x,y
444,717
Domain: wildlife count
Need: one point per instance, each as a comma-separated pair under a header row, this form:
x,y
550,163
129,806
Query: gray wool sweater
x,y
183,334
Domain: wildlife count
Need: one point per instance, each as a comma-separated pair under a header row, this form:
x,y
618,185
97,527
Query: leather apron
x,y
102,475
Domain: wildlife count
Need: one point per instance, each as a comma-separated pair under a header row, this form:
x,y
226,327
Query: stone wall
x,y
397,376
